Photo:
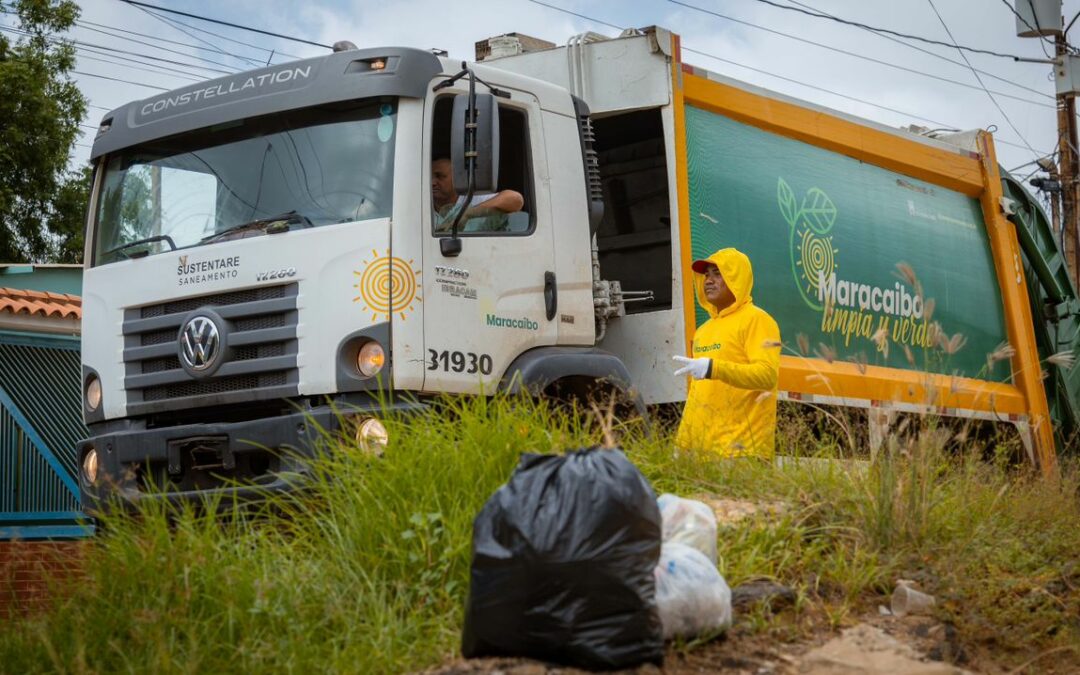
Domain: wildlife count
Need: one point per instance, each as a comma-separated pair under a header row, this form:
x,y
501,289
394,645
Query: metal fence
x,y
40,423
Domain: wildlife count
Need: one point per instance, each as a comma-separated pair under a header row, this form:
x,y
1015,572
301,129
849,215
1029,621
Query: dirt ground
x,y
876,645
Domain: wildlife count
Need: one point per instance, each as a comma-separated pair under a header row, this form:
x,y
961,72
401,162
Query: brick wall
x,y
32,571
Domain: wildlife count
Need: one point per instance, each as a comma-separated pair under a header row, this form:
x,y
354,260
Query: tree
x,y
67,221
40,111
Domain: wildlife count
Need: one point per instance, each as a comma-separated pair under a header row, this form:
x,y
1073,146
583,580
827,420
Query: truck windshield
x,y
294,170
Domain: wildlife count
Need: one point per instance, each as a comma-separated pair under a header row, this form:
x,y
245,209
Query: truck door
x,y
497,298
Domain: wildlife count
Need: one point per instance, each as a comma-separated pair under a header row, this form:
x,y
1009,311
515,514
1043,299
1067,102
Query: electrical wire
x,y
771,74
992,99
1075,17
117,79
860,56
157,70
233,40
133,56
938,56
212,47
81,43
136,3
821,15
209,46
164,49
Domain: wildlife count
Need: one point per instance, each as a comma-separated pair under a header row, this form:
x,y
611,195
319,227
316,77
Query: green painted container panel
x,y
819,227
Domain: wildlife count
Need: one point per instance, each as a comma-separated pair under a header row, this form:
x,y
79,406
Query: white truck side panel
x,y
620,74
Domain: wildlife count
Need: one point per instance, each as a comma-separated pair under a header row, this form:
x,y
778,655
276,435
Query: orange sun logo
x,y
386,285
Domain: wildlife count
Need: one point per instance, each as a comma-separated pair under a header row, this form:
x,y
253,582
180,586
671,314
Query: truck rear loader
x,y
262,252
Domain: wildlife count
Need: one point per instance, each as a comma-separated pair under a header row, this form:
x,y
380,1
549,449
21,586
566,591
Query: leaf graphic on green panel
x,y
789,206
818,211
813,256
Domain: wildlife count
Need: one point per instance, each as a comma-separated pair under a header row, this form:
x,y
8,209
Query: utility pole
x,y
1042,19
1068,162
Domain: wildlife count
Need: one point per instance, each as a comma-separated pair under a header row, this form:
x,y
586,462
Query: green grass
x,y
369,571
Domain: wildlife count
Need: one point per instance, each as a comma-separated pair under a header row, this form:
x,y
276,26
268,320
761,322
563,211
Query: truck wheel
x,y
579,395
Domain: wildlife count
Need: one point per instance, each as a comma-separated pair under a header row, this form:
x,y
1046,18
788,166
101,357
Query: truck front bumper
x,y
212,463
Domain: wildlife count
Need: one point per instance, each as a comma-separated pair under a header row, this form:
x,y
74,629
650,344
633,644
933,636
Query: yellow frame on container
x,y
975,175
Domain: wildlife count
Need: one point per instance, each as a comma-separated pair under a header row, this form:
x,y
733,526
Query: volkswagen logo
x,y
200,344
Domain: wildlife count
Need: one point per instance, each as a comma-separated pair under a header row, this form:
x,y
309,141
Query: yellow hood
x,y
738,275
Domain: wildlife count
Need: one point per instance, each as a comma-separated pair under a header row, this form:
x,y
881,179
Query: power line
x,y
992,99
226,23
935,54
81,43
151,57
860,56
164,49
229,39
771,74
821,15
108,51
87,24
156,70
213,47
1075,17
580,16
117,79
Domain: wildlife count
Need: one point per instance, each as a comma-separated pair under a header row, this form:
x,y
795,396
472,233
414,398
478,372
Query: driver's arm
x,y
506,201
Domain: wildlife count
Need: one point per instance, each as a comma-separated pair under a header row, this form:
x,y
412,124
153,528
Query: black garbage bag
x,y
563,560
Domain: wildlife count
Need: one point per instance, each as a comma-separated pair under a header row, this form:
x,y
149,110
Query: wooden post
x,y
1069,171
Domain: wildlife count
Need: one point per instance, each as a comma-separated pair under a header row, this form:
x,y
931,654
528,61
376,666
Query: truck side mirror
x,y
486,177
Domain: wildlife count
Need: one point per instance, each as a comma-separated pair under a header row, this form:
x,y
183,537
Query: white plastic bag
x,y
689,522
691,595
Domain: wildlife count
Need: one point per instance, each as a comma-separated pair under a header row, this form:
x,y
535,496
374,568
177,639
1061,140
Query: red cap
x,y
700,266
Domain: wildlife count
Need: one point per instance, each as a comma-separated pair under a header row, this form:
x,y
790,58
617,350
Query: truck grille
x,y
260,337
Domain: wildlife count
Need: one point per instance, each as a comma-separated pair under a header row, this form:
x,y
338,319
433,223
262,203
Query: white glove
x,y
696,368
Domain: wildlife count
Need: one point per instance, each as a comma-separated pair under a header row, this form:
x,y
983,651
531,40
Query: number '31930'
x,y
459,362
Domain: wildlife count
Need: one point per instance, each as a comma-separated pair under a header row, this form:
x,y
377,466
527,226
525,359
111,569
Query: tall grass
x,y
367,571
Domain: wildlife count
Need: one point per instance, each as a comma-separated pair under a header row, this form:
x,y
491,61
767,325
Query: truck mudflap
x,y
212,462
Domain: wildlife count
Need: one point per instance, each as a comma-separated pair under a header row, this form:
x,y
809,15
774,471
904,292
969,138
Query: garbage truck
x,y
262,254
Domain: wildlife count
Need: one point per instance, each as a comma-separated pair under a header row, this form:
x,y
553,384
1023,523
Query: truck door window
x,y
515,176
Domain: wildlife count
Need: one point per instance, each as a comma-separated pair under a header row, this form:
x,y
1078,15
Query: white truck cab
x,y
262,251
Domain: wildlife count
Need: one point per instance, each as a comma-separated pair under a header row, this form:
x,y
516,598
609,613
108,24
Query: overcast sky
x,y
795,68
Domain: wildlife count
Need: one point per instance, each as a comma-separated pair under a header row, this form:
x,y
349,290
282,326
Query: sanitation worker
x,y
486,213
735,365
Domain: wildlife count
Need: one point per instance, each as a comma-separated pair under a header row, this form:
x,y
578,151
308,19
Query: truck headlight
x,y
371,435
93,393
370,359
90,466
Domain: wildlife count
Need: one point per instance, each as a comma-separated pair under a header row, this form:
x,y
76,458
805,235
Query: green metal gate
x,y
40,423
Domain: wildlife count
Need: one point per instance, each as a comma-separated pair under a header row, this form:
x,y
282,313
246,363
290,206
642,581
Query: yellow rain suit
x,y
733,411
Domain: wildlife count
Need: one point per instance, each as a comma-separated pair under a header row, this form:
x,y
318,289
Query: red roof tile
x,y
40,303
